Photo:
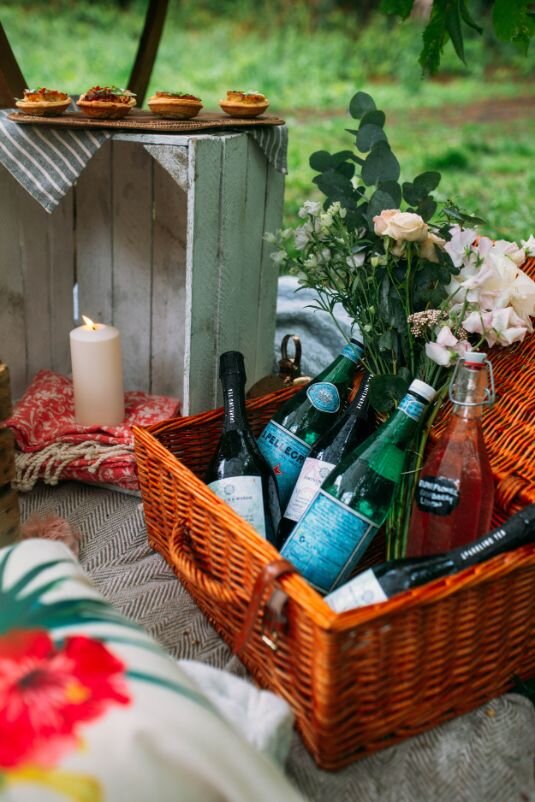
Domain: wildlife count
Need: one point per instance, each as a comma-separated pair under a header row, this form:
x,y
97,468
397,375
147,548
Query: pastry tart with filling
x,y
43,102
244,104
175,105
106,102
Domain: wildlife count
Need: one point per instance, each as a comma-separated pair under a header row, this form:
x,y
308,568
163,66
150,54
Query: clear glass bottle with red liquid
x,y
455,492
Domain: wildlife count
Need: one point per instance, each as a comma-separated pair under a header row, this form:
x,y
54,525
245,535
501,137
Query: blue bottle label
x,y
286,454
324,396
412,407
353,352
328,542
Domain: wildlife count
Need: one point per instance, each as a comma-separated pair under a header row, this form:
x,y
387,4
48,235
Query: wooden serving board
x,y
139,120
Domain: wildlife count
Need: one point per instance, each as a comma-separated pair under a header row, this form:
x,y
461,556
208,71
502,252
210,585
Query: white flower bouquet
x,y
420,282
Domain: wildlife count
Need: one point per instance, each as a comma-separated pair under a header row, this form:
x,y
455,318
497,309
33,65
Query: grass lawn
x,y
310,70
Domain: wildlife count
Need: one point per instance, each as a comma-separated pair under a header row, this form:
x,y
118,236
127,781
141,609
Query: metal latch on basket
x,y
274,618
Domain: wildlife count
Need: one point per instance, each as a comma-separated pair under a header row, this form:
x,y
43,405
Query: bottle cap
x,y
423,389
474,358
231,362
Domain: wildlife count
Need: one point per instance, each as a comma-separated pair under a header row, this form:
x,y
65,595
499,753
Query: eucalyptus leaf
x,y
346,169
360,104
321,160
375,117
368,135
385,341
393,189
387,391
410,193
341,156
379,200
428,181
427,208
380,165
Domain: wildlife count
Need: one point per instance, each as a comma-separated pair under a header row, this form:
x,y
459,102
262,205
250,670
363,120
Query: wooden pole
x,y
148,48
9,503
12,83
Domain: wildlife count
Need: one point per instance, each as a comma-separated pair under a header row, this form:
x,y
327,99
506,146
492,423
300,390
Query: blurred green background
x,y
472,123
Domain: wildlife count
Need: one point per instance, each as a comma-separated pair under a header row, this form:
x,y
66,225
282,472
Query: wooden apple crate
x,y
174,257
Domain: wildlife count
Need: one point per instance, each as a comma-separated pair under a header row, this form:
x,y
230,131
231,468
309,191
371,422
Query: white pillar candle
x,y
97,374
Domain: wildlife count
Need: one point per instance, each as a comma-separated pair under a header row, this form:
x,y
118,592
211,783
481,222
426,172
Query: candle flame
x,y
89,322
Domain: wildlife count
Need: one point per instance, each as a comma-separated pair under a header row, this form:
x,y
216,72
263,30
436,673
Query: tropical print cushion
x,y
93,710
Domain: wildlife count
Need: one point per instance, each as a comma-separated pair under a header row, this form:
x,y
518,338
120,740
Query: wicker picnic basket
x,y
365,679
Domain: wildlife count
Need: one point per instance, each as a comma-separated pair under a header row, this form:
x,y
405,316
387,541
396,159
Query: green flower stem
x,y
398,521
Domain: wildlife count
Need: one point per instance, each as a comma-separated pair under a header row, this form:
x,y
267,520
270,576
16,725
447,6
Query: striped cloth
x,y
47,161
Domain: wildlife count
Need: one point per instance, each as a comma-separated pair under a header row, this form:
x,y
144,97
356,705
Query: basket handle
x,y
188,568
274,617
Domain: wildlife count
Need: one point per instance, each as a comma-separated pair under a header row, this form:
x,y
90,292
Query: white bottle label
x,y
360,591
244,495
312,476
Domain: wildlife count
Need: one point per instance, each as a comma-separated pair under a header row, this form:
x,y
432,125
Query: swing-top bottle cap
x,y
474,358
423,389
231,362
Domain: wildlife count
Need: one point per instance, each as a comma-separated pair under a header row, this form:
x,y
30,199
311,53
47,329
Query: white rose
x,y
380,221
406,226
428,247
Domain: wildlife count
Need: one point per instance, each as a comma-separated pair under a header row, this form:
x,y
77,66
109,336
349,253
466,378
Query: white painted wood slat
x,y
94,225
132,201
12,316
168,285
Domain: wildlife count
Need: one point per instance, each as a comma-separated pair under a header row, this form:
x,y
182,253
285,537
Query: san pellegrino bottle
x,y
238,473
455,493
384,581
288,437
352,428
355,499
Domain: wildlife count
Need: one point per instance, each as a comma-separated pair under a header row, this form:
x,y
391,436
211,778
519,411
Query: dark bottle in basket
x,y
352,428
353,502
238,473
384,581
288,437
455,492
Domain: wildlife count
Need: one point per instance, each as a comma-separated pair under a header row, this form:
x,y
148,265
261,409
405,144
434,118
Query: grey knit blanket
x,y
485,756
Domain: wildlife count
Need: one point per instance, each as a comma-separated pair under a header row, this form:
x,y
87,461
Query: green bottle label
x,y
324,396
328,542
353,352
286,454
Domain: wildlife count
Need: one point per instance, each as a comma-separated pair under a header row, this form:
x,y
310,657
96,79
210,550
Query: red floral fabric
x,y
46,693
45,416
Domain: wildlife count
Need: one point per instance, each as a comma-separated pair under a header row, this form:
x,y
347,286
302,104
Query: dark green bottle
x,y
383,581
238,473
355,499
288,437
351,429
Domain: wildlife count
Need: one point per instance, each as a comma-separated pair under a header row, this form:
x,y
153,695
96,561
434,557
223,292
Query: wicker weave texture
x,y
365,679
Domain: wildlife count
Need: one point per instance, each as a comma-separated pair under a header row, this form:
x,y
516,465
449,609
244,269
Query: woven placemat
x,y
146,121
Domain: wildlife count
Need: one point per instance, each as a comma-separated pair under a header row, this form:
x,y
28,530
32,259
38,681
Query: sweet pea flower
x,y
356,259
529,246
309,208
459,245
507,327
302,236
446,347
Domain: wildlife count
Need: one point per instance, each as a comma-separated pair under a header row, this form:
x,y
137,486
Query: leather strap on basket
x,y
274,619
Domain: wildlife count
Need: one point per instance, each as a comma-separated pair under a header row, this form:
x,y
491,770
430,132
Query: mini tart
x,y
174,105
244,104
43,102
106,104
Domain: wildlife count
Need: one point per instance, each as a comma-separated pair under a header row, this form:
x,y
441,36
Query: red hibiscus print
x,y
46,692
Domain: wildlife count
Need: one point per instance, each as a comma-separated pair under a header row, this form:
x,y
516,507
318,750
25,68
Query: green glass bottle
x,y
287,439
355,499
383,581
238,473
